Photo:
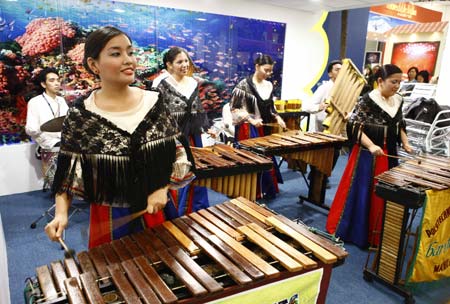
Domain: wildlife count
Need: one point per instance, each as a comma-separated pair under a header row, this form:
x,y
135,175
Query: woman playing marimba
x,y
120,148
180,92
375,128
252,106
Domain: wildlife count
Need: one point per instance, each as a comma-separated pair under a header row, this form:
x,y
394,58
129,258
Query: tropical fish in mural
x,y
209,42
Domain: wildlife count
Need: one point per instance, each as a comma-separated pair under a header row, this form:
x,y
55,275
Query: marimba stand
x,y
316,189
387,266
316,185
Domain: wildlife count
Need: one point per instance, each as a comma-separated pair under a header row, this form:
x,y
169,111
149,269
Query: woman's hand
x,y
280,121
256,122
376,150
408,148
157,200
55,228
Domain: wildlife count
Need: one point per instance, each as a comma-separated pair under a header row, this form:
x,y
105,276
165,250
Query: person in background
x,y
373,81
180,92
44,107
375,130
412,74
406,88
252,106
423,76
120,150
316,104
367,72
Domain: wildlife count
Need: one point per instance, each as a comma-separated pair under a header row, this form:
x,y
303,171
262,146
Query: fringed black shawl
x,y
245,95
378,125
189,112
117,168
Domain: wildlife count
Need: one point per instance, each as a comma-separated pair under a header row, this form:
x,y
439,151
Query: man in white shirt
x,y
45,107
316,105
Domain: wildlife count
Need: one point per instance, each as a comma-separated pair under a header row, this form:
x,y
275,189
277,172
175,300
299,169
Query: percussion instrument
x,y
227,249
314,148
343,97
293,121
280,105
230,171
290,111
53,125
404,189
293,105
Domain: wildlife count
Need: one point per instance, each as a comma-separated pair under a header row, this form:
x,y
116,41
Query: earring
x,y
95,71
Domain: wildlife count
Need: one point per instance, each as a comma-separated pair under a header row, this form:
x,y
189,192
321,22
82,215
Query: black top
x,y
245,95
378,125
118,168
188,112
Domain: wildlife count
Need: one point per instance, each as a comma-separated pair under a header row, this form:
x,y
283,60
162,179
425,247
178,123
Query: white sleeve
x,y
64,107
32,126
159,78
312,104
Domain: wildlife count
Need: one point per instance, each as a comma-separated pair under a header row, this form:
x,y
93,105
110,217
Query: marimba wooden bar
x,y
313,148
343,97
233,172
197,258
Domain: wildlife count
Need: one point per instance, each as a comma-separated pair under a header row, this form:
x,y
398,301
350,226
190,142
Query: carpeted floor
x,y
28,248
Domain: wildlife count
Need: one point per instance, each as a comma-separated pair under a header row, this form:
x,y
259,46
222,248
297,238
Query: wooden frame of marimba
x,y
314,148
233,172
216,252
403,187
343,97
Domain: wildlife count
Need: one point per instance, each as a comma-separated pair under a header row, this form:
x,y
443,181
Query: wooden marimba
x,y
404,189
314,148
230,171
343,97
224,250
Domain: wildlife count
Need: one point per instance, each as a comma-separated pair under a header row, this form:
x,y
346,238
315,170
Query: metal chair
x,y
433,138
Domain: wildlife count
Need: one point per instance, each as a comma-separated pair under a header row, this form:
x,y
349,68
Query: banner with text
x,y
302,289
432,260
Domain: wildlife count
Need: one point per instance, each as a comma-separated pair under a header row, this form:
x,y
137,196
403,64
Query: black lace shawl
x,y
378,125
189,113
117,168
245,95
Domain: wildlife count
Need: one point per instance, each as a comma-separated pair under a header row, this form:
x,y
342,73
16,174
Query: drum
x,y
280,105
49,158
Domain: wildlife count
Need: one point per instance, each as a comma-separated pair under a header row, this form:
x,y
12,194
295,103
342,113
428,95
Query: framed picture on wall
x,y
372,58
422,55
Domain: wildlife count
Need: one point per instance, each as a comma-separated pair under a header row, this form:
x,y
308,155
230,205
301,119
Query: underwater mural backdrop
x,y
35,34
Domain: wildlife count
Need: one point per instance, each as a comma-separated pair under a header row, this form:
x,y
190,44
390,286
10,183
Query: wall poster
x,y
39,33
422,55
372,59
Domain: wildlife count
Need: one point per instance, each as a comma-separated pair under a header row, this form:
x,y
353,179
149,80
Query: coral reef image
x,y
35,34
